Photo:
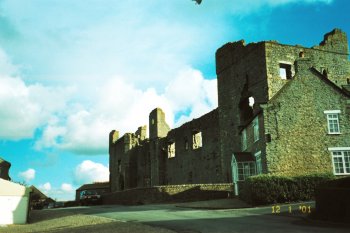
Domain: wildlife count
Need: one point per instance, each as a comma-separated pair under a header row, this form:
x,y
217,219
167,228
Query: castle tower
x,y
157,125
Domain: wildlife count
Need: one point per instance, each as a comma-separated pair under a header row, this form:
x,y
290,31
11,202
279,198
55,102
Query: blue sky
x,y
71,71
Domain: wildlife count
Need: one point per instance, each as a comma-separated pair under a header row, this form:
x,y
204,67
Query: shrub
x,y
267,189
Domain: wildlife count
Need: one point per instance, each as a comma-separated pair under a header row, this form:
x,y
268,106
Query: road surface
x,y
285,218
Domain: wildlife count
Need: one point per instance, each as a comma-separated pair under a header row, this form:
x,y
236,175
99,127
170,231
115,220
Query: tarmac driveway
x,y
284,218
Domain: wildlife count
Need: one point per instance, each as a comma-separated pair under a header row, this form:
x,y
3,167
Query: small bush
x,y
268,189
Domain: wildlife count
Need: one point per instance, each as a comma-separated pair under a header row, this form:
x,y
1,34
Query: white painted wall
x,y
14,209
14,199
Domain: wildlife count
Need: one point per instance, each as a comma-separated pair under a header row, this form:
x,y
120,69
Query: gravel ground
x,y
60,220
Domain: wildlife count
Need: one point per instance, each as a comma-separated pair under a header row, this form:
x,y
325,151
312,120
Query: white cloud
x,y
65,187
63,193
123,107
25,108
89,171
46,188
27,175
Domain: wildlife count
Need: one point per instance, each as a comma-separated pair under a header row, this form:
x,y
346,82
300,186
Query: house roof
x,y
102,185
38,192
244,156
318,75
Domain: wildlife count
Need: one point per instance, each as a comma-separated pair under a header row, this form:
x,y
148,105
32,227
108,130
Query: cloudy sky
x,y
71,71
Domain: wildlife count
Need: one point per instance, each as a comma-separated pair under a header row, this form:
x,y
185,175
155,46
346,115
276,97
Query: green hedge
x,y
268,189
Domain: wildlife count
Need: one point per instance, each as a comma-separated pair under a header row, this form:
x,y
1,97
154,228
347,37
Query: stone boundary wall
x,y
169,193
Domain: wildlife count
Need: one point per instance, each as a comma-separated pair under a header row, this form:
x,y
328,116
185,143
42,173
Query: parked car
x,y
90,197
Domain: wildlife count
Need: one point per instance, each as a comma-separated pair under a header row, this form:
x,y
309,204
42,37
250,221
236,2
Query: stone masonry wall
x,y
331,57
194,165
238,67
169,193
297,124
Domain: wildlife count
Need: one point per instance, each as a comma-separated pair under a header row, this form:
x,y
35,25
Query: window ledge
x,y
334,133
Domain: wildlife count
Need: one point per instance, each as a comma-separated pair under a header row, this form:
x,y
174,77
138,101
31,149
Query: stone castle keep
x,y
282,109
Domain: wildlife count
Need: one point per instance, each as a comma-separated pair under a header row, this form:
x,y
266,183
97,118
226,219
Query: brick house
x,y
282,109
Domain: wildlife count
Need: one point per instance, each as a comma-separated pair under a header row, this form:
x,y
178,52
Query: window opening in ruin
x,y
285,71
301,54
246,169
258,163
246,111
119,166
251,101
348,80
197,140
152,121
171,150
244,139
333,121
186,144
256,128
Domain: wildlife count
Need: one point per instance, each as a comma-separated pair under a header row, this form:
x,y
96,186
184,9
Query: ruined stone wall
x,y
297,124
241,72
194,164
123,160
331,57
157,124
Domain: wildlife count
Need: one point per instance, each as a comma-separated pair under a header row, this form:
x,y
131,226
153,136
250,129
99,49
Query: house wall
x,y
14,202
296,122
259,145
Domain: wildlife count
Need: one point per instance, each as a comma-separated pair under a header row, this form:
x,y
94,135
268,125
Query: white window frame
x,y
256,129
258,162
244,140
333,119
342,153
244,171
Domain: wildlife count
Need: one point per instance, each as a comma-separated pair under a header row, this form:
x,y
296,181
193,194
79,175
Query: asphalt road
x,y
286,218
